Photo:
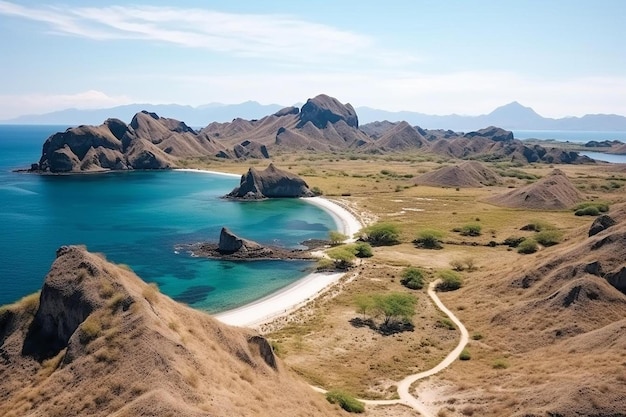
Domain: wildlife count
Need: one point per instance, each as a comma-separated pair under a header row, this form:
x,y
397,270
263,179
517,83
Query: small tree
x,y
336,238
364,304
429,239
381,234
412,278
342,256
528,246
395,306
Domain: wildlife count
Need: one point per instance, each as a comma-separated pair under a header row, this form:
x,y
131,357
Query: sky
x,y
560,57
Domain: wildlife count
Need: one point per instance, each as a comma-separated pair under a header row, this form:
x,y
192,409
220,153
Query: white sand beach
x,y
204,171
300,292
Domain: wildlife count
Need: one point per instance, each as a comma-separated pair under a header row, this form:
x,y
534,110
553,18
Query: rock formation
x,y
230,243
553,192
99,341
270,183
322,110
600,224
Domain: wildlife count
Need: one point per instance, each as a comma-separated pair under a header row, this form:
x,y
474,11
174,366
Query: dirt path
x,y
404,386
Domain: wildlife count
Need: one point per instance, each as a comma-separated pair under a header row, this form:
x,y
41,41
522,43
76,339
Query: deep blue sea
x,y
570,135
137,218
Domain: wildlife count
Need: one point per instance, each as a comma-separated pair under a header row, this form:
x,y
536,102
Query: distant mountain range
x,y
513,116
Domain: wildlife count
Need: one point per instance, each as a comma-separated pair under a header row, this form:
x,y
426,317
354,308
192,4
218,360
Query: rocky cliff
x,y
270,183
99,341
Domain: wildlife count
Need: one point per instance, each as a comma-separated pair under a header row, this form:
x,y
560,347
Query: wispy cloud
x,y
273,36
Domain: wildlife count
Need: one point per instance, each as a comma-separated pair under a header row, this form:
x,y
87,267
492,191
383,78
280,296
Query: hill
x,y
99,341
509,116
553,192
323,124
466,174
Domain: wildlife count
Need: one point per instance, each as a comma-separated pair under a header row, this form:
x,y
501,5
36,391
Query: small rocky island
x,y
233,247
270,183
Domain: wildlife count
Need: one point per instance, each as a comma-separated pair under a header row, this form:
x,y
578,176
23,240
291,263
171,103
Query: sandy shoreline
x,y
293,296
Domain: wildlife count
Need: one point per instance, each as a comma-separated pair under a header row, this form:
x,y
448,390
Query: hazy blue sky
x,y
561,57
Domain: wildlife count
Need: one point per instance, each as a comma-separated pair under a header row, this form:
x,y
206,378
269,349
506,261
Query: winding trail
x,y
404,386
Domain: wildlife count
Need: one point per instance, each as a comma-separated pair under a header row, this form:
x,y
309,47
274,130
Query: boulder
x,y
270,183
251,149
324,109
601,223
231,243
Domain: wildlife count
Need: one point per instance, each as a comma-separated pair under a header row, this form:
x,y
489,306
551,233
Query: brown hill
x,y
98,341
401,137
467,174
553,192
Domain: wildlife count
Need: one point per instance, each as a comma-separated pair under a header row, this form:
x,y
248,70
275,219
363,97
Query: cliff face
x,y
270,183
99,341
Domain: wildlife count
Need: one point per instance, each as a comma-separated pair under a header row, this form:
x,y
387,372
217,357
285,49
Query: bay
x,y
137,219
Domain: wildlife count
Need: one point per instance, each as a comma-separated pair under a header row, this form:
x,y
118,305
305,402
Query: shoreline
x,y
292,297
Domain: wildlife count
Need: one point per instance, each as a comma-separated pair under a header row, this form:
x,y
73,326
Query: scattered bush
x,y
336,238
538,226
591,208
587,211
325,264
471,230
380,234
528,246
450,281
463,264
345,401
363,250
343,256
446,323
500,364
465,355
513,241
429,239
477,336
548,237
412,278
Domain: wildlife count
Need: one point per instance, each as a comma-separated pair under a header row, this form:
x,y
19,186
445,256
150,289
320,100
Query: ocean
x,y
138,219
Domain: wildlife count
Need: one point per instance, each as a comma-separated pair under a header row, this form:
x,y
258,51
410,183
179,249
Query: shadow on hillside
x,y
383,329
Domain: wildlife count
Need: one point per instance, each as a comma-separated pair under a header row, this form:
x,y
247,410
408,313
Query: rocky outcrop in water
x,y
230,243
270,183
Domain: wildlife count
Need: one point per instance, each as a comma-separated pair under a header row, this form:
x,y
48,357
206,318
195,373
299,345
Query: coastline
x,y
297,294
206,171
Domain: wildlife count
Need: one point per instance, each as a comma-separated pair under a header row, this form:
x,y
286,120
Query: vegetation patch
x,y
381,234
412,278
591,208
345,401
429,239
528,246
450,280
548,237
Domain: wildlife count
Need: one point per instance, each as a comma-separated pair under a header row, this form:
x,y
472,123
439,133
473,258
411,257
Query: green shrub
x,y
343,256
471,230
513,241
325,264
380,234
548,237
587,211
317,191
412,278
429,239
446,323
538,226
465,355
345,401
477,336
591,208
363,250
527,246
450,280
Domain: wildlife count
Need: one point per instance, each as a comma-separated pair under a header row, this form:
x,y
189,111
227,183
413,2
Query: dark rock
x,y
323,109
494,133
287,111
594,268
251,149
618,279
230,243
265,350
601,223
270,183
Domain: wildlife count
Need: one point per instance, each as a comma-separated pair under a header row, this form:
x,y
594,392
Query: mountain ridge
x,y
509,116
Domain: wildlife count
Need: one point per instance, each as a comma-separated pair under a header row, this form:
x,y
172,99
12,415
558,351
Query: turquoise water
x,y
137,218
606,157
